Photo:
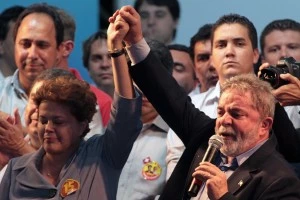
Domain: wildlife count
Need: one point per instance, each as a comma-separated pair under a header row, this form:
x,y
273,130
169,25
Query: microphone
x,y
214,144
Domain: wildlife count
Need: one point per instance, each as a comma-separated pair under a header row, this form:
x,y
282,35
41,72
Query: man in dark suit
x,y
245,118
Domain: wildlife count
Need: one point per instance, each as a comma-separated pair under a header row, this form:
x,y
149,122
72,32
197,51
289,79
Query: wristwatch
x,y
116,52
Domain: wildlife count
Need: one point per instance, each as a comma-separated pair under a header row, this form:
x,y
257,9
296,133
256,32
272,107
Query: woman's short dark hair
x,y
72,92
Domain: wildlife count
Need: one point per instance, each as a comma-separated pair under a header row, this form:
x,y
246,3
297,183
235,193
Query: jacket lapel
x,y
238,180
243,175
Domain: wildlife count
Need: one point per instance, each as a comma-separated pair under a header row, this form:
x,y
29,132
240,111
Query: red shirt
x,y
104,100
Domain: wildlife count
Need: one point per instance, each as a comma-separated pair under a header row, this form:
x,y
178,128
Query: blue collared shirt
x,y
13,96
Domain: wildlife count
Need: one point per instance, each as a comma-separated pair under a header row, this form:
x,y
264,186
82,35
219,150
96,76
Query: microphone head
x,y
216,141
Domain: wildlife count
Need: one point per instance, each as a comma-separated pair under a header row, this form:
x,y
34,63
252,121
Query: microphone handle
x,y
194,187
196,184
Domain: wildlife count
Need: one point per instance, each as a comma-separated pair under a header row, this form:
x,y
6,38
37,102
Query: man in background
x,y
200,45
281,38
183,70
7,22
159,19
97,61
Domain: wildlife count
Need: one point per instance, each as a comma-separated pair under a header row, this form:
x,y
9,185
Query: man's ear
x,y
68,47
256,55
265,127
267,123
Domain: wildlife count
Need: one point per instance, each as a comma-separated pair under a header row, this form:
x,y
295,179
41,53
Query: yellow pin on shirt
x,y
69,187
151,169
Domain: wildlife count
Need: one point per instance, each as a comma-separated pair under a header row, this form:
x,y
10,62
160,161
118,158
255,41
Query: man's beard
x,y
237,143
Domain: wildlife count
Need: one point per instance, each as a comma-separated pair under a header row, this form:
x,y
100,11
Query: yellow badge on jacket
x,y
151,169
69,187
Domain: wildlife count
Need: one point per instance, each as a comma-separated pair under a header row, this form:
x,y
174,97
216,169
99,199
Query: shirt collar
x,y
216,92
244,156
159,123
213,94
17,86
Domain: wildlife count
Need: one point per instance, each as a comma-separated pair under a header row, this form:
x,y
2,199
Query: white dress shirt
x,y
206,102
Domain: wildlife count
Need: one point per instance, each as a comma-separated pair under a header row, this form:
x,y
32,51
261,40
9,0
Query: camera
x,y
271,74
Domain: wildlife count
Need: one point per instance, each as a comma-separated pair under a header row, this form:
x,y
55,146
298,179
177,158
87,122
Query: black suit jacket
x,y
194,128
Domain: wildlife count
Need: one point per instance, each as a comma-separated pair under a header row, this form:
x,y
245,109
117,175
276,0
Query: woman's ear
x,y
83,126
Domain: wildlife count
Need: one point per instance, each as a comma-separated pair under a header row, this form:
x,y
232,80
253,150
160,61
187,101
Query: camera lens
x,y
285,65
271,75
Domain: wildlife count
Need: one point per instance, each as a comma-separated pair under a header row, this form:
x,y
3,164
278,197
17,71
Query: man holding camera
x,y
281,39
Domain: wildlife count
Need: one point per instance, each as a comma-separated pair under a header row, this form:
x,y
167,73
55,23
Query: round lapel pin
x,y
151,169
69,187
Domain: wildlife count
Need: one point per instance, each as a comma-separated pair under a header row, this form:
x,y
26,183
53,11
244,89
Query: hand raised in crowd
x,y
130,16
288,94
4,155
11,134
216,181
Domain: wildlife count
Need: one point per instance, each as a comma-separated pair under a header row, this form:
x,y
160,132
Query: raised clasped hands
x,y
116,31
125,24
